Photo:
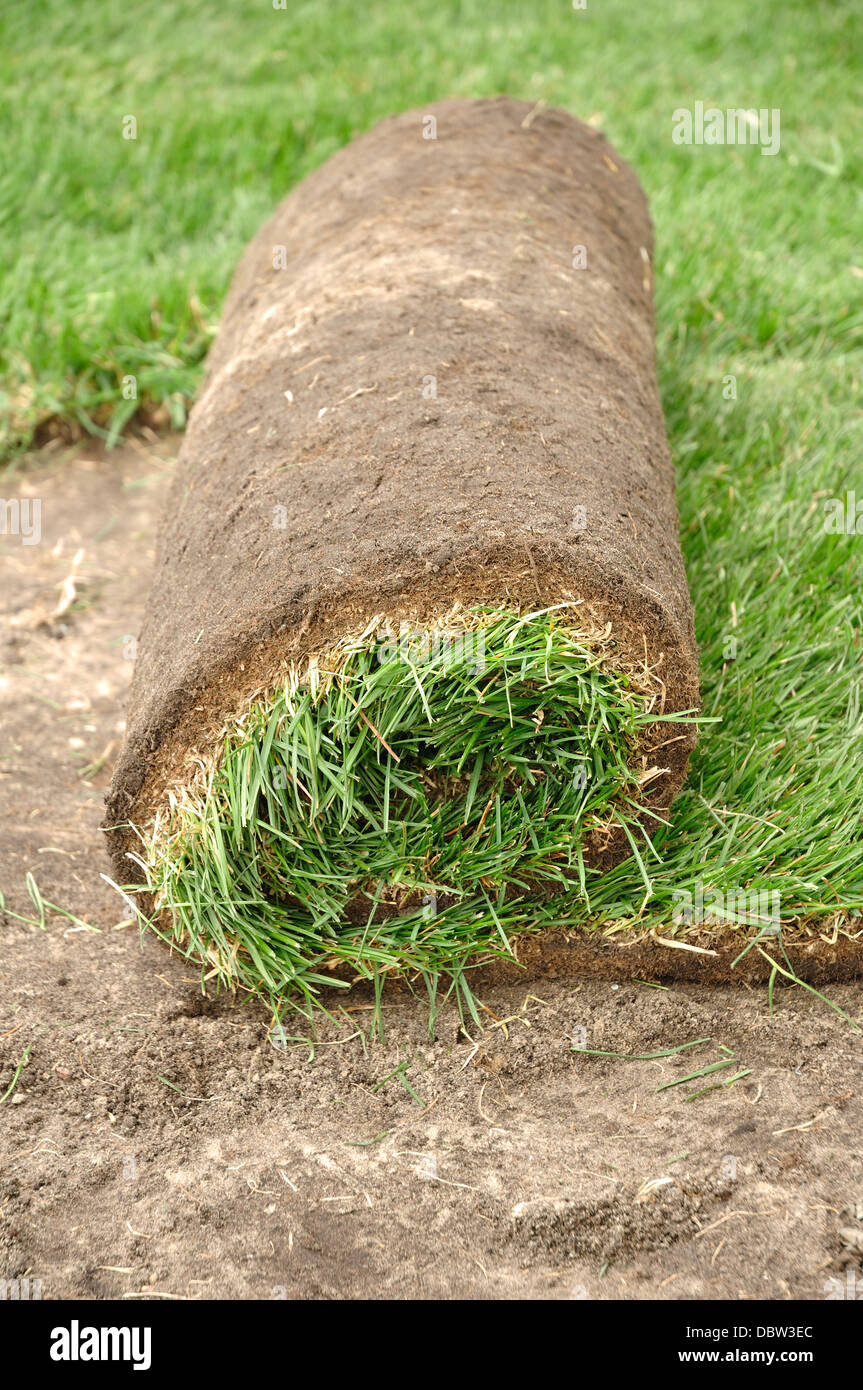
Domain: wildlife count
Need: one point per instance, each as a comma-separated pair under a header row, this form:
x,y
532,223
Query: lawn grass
x,y
402,805
120,253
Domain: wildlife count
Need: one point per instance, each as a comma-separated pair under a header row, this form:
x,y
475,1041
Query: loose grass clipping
x,y
418,661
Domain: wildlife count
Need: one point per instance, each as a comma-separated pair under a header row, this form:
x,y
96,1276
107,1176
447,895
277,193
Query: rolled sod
x,y
418,660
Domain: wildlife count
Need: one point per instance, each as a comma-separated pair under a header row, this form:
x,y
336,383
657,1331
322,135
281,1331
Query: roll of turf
x,y
419,645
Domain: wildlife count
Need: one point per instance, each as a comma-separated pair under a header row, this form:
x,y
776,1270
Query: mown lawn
x,y
117,254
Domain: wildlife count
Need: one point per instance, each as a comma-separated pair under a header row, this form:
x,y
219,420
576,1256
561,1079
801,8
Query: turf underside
x,y
420,802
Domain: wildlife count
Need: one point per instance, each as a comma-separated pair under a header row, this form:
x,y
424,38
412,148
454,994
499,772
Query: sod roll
x,y
419,626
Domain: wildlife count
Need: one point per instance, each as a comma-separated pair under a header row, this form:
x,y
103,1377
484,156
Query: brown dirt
x,y
159,1141
407,259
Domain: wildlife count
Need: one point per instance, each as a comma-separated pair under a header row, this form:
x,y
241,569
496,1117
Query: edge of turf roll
x,y
403,802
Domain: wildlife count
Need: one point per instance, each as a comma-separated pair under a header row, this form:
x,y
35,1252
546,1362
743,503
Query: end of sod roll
x,y
419,655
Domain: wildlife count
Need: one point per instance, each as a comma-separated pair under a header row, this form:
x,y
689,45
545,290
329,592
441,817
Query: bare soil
x,y
158,1142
